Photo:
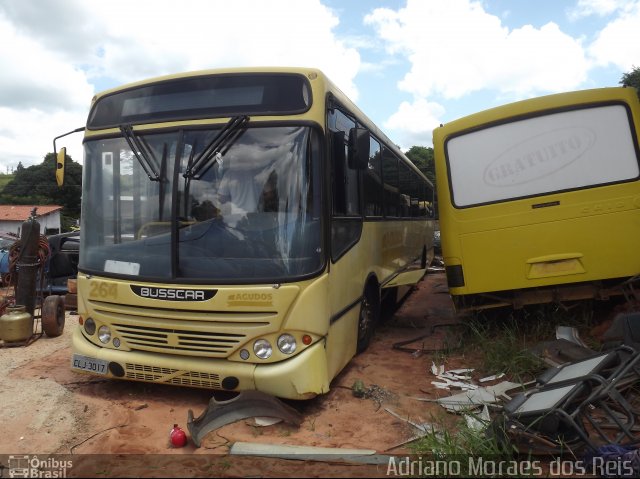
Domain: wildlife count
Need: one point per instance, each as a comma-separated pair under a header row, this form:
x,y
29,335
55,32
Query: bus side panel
x,y
341,342
401,247
346,284
384,249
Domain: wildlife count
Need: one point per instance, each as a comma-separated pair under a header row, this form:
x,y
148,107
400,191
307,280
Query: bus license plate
x,y
92,365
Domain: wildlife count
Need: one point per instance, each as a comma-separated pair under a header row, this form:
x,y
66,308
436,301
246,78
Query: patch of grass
x,y
458,445
505,351
542,320
503,340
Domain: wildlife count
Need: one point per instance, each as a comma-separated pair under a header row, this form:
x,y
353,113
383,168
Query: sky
x,y
410,65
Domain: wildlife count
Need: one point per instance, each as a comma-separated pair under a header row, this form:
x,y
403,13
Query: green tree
x,y
36,185
632,79
422,157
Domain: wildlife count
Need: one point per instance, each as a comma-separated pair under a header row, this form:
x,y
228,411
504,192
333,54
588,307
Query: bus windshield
x,y
249,215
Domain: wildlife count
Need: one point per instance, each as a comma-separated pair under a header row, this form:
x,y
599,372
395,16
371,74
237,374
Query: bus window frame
x,y
340,220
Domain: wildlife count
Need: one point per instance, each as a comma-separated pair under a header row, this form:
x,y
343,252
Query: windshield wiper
x,y
217,148
141,151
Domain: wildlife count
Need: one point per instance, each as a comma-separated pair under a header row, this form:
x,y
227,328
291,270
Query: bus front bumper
x,y
301,377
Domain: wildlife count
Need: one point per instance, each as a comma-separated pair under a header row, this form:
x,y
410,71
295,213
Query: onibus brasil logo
x,y
33,466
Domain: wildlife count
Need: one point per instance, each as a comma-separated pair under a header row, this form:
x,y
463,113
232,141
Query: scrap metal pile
x,y
575,407
578,406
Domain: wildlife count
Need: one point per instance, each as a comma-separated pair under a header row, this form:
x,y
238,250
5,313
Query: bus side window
x,y
372,178
346,224
345,184
405,175
391,184
339,165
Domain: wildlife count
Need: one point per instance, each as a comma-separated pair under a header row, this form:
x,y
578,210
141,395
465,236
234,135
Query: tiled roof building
x,y
12,217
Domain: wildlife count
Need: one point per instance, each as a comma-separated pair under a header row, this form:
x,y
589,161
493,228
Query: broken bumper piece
x,y
247,404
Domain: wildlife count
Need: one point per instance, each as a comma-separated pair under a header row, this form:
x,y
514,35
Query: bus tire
x,y
53,316
368,319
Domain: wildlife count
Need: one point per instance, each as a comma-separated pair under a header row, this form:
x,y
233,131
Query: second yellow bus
x,y
539,200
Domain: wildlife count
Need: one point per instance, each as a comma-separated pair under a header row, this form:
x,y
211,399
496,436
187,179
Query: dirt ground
x,y
111,428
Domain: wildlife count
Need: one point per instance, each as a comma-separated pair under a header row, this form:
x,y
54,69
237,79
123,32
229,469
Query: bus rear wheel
x,y
368,320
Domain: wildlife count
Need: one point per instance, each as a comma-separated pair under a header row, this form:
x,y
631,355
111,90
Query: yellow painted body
x,y
577,236
198,343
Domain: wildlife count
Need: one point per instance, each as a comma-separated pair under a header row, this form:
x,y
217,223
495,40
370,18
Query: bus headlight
x,y
90,326
104,334
287,344
262,348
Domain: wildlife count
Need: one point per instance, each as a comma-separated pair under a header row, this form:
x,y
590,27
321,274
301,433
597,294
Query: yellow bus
x,y
240,230
539,200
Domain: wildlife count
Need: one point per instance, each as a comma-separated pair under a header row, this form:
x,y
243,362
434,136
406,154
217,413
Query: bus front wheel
x,y
368,320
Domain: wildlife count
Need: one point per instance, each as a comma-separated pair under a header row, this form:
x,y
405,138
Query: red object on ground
x,y
178,437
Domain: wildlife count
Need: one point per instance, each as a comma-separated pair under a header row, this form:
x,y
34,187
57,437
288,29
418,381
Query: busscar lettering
x,y
173,294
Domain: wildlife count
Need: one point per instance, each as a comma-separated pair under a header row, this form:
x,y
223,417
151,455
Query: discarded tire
x,y
53,316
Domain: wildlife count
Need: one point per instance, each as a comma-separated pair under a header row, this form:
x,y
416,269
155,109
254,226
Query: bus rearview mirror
x,y
60,161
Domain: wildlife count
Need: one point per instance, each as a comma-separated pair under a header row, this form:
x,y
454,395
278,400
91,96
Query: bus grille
x,y
210,334
139,372
195,343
